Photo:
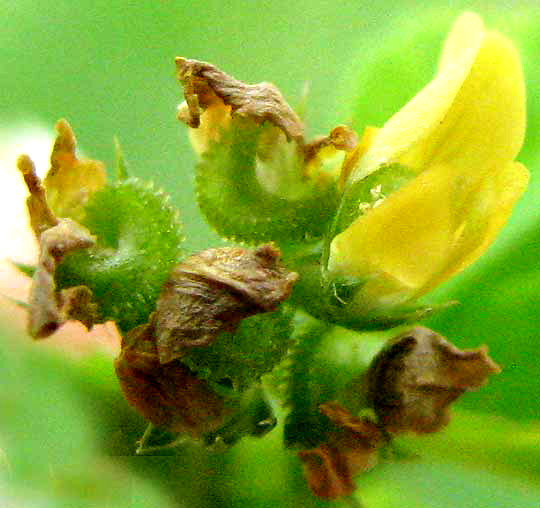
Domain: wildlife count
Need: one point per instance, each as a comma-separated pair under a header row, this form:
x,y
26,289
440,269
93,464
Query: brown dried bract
x,y
48,309
169,396
340,138
349,450
41,216
412,382
76,304
57,237
212,291
205,85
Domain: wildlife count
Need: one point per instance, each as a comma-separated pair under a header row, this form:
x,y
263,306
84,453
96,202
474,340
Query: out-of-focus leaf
x,y
437,484
48,441
494,444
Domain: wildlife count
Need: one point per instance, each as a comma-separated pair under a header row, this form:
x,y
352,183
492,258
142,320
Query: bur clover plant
x,y
336,239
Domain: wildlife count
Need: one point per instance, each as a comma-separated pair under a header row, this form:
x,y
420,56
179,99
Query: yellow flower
x,y
459,135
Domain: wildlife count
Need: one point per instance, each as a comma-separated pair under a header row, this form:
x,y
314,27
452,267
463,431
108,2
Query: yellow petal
x,y
485,125
352,158
458,42
428,231
70,181
406,239
489,207
212,122
461,133
422,116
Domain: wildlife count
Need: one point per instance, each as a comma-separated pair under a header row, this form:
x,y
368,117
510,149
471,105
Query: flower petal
x,y
488,209
70,181
422,116
485,126
405,240
428,231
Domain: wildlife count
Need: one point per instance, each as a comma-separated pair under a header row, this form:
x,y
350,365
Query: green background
x,y
66,434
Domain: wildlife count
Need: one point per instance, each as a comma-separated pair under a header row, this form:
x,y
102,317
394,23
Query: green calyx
x,y
254,417
236,203
138,242
334,302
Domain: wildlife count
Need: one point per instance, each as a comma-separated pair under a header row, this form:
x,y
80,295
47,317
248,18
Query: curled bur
x,y
414,379
351,448
212,291
169,396
207,294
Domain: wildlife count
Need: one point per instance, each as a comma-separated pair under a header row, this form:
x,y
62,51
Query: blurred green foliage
x,y
66,434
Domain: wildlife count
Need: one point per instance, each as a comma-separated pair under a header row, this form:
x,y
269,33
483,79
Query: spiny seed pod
x,y
169,396
138,242
212,291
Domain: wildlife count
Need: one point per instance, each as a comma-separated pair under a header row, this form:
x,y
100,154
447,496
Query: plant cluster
x,y
317,306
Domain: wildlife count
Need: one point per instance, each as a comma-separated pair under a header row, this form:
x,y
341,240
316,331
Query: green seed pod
x,y
137,243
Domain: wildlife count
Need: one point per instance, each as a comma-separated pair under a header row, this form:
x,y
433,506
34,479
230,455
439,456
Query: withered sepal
x,y
205,85
351,448
48,308
212,291
414,379
57,237
169,396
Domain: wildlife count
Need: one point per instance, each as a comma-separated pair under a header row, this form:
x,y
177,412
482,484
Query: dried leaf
x,y
76,304
168,396
212,291
57,237
326,472
412,382
70,181
205,86
48,309
41,216
324,156
350,449
340,138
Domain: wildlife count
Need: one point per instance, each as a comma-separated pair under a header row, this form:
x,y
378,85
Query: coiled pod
x,y
191,367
